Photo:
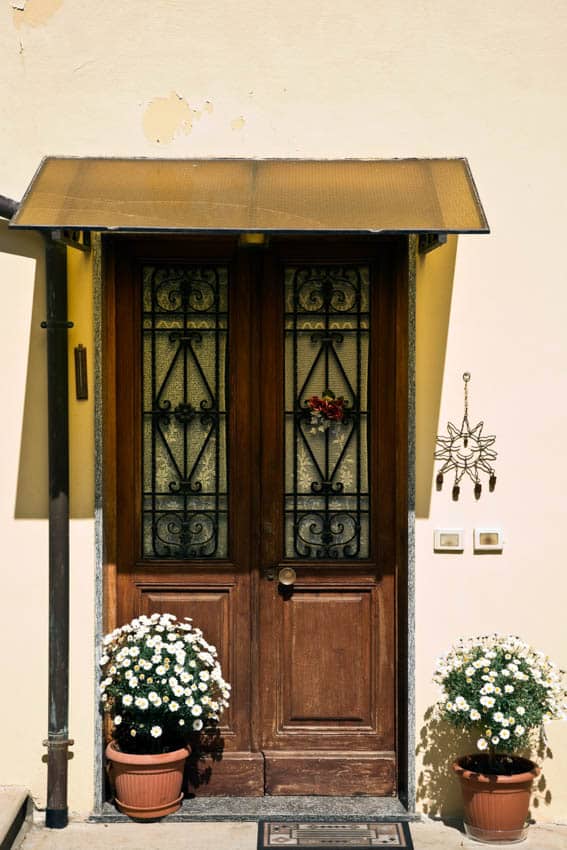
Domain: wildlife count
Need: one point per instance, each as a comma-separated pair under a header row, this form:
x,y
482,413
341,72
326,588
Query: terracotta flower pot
x,y
496,805
146,786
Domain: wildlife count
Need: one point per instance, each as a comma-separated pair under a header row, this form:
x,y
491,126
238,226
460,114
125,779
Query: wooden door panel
x,y
327,635
341,773
211,610
327,643
183,356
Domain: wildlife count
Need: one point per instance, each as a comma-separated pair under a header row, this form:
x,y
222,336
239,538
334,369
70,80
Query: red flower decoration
x,y
327,406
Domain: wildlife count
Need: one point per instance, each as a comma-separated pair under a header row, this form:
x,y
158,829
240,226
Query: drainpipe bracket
x,y
55,325
54,744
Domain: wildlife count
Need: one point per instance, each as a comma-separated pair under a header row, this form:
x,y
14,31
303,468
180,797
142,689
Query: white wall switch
x,y
448,540
488,540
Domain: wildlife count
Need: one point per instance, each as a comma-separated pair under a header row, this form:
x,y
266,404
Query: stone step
x,y
15,815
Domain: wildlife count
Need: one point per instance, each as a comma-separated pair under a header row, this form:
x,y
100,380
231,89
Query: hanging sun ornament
x,y
467,452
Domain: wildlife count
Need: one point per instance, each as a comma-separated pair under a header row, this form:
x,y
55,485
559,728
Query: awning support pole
x,y
58,742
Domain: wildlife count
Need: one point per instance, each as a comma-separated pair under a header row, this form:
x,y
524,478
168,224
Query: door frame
x,y
401,251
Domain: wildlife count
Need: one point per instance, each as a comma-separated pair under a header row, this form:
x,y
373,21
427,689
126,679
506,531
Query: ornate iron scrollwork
x,y
185,331
327,345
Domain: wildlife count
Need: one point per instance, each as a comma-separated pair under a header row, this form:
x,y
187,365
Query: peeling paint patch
x,y
165,117
34,13
238,123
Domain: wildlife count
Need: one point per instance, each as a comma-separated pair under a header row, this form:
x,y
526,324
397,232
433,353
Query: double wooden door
x,y
234,463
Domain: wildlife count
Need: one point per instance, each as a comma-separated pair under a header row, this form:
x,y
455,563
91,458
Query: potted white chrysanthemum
x,y
161,683
502,690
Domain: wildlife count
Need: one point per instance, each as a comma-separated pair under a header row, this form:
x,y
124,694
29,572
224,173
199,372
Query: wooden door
x,y
223,479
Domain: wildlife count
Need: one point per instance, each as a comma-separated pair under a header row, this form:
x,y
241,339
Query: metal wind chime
x,y
467,452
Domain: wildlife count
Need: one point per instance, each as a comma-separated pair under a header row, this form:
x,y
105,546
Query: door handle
x,y
286,575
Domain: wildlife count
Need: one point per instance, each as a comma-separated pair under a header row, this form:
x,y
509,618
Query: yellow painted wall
x,y
381,79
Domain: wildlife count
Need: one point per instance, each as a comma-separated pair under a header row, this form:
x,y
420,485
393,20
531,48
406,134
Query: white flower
x,y
160,671
519,730
498,716
488,702
509,689
134,651
156,731
104,659
173,706
474,715
133,681
197,724
196,710
504,734
181,722
127,699
470,671
520,710
482,744
487,689
203,687
141,703
178,690
204,675
495,739
117,720
461,703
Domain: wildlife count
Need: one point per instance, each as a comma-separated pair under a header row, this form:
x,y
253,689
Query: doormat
x,y
319,836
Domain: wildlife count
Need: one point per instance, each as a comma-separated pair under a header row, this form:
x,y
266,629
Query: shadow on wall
x,y
32,489
32,494
438,791
434,287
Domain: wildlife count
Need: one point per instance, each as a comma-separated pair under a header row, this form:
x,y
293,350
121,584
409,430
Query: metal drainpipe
x,y
8,207
57,325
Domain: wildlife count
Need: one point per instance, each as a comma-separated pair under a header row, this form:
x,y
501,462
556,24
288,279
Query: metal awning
x,y
243,195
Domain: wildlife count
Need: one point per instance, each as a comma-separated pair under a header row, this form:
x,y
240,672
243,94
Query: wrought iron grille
x,y
185,487
327,338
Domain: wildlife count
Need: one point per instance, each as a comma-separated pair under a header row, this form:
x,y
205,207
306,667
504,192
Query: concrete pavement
x,y
80,835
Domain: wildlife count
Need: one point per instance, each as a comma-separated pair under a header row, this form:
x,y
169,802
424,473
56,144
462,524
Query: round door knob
x,y
287,575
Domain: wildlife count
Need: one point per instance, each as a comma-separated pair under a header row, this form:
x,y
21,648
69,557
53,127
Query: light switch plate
x,y
448,540
488,540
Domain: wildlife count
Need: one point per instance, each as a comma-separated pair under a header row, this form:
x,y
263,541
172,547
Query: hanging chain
x,y
466,379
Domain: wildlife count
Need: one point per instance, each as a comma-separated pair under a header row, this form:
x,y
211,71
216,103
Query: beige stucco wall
x,y
486,80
